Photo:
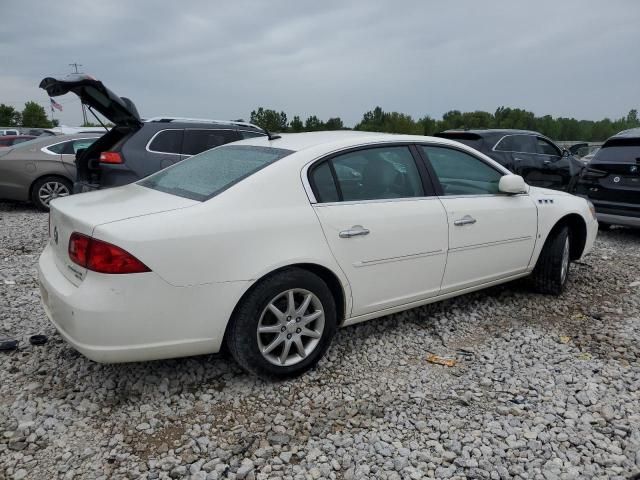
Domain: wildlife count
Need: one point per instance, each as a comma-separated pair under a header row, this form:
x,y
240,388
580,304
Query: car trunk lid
x,y
82,213
119,110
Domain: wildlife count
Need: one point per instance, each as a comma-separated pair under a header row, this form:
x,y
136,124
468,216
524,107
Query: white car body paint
x,y
204,256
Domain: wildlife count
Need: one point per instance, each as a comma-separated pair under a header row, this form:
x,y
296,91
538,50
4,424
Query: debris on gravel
x,y
541,388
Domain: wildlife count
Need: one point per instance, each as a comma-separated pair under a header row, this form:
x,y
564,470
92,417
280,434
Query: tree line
x,y
377,120
33,115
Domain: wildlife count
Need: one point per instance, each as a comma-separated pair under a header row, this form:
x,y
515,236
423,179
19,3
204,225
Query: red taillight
x,y
102,257
110,157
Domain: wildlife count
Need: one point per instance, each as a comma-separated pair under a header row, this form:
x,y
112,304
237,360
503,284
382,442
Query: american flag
x,y
55,104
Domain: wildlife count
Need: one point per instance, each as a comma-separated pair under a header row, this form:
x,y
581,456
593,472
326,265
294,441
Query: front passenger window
x,y
462,174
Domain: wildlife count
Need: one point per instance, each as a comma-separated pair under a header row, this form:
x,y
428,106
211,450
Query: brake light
x,y
102,257
110,157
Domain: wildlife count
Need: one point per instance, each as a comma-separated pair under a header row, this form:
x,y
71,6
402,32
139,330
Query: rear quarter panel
x,y
255,227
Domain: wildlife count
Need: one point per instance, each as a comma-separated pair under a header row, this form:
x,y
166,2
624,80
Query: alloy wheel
x,y
564,268
290,327
50,190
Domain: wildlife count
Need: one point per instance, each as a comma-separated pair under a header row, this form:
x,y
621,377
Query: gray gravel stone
x,y
544,387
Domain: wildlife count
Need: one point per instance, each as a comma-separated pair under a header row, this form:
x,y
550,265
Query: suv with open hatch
x,y
530,154
135,148
611,180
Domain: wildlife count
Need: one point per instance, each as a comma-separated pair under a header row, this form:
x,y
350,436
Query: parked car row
x,y
11,140
136,148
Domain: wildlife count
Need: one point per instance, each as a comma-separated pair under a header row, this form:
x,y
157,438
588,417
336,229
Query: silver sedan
x,y
41,169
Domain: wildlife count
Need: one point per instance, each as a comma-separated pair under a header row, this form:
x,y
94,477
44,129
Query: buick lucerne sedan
x,y
268,245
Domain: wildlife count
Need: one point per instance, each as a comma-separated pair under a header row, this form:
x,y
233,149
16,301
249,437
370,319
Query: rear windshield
x,y
473,140
619,151
209,173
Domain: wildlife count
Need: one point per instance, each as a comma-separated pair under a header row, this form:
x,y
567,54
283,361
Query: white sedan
x,y
268,245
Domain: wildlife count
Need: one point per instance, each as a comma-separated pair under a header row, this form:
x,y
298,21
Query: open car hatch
x,y
119,110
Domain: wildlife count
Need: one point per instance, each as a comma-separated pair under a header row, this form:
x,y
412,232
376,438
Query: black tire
x,y
61,187
548,275
242,332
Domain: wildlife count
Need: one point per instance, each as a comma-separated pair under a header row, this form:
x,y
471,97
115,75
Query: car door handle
x,y
466,220
354,231
547,162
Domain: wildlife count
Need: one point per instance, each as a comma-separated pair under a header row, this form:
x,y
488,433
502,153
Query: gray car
x,y
41,169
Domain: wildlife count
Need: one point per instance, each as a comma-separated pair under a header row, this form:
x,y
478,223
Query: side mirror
x,y
566,153
512,184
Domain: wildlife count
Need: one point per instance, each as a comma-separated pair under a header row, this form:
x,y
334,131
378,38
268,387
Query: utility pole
x,y
75,66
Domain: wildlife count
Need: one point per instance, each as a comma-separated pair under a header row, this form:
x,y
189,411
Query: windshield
x,y
209,173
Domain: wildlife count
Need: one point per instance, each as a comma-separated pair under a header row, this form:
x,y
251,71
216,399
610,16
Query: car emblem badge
x,y
616,179
634,168
55,234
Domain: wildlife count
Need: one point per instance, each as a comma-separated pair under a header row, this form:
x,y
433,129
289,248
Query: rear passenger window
x,y
517,143
462,174
167,141
60,147
371,174
197,141
322,179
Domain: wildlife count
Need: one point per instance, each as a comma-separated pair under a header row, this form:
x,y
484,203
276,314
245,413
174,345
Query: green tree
x,y
313,124
296,124
34,116
9,116
334,123
269,119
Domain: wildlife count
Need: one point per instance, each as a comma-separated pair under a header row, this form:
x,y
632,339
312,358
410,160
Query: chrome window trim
x,y
49,152
526,153
304,172
158,133
191,128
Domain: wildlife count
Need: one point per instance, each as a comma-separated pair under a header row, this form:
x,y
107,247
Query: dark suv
x,y
135,148
611,180
529,154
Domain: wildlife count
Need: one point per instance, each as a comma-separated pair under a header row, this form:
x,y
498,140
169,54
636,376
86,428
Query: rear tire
x,y
46,189
552,270
283,325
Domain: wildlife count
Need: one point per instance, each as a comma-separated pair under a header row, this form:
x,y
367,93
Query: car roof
x,y
494,131
631,133
330,140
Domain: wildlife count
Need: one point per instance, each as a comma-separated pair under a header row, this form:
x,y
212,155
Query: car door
x,y
491,235
524,160
69,151
383,224
556,169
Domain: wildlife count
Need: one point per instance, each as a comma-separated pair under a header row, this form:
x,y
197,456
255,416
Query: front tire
x,y
283,325
46,189
552,270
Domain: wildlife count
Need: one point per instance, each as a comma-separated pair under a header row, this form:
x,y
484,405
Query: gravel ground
x,y
542,388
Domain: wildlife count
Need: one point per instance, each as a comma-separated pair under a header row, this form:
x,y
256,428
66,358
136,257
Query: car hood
x,y
119,110
115,204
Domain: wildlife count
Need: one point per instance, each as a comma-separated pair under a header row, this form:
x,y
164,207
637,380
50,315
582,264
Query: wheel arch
x,y
577,232
327,275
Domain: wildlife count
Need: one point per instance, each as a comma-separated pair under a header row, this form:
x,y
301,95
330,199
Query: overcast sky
x,y
220,60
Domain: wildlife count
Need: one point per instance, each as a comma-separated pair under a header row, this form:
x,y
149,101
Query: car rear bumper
x,y
135,317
